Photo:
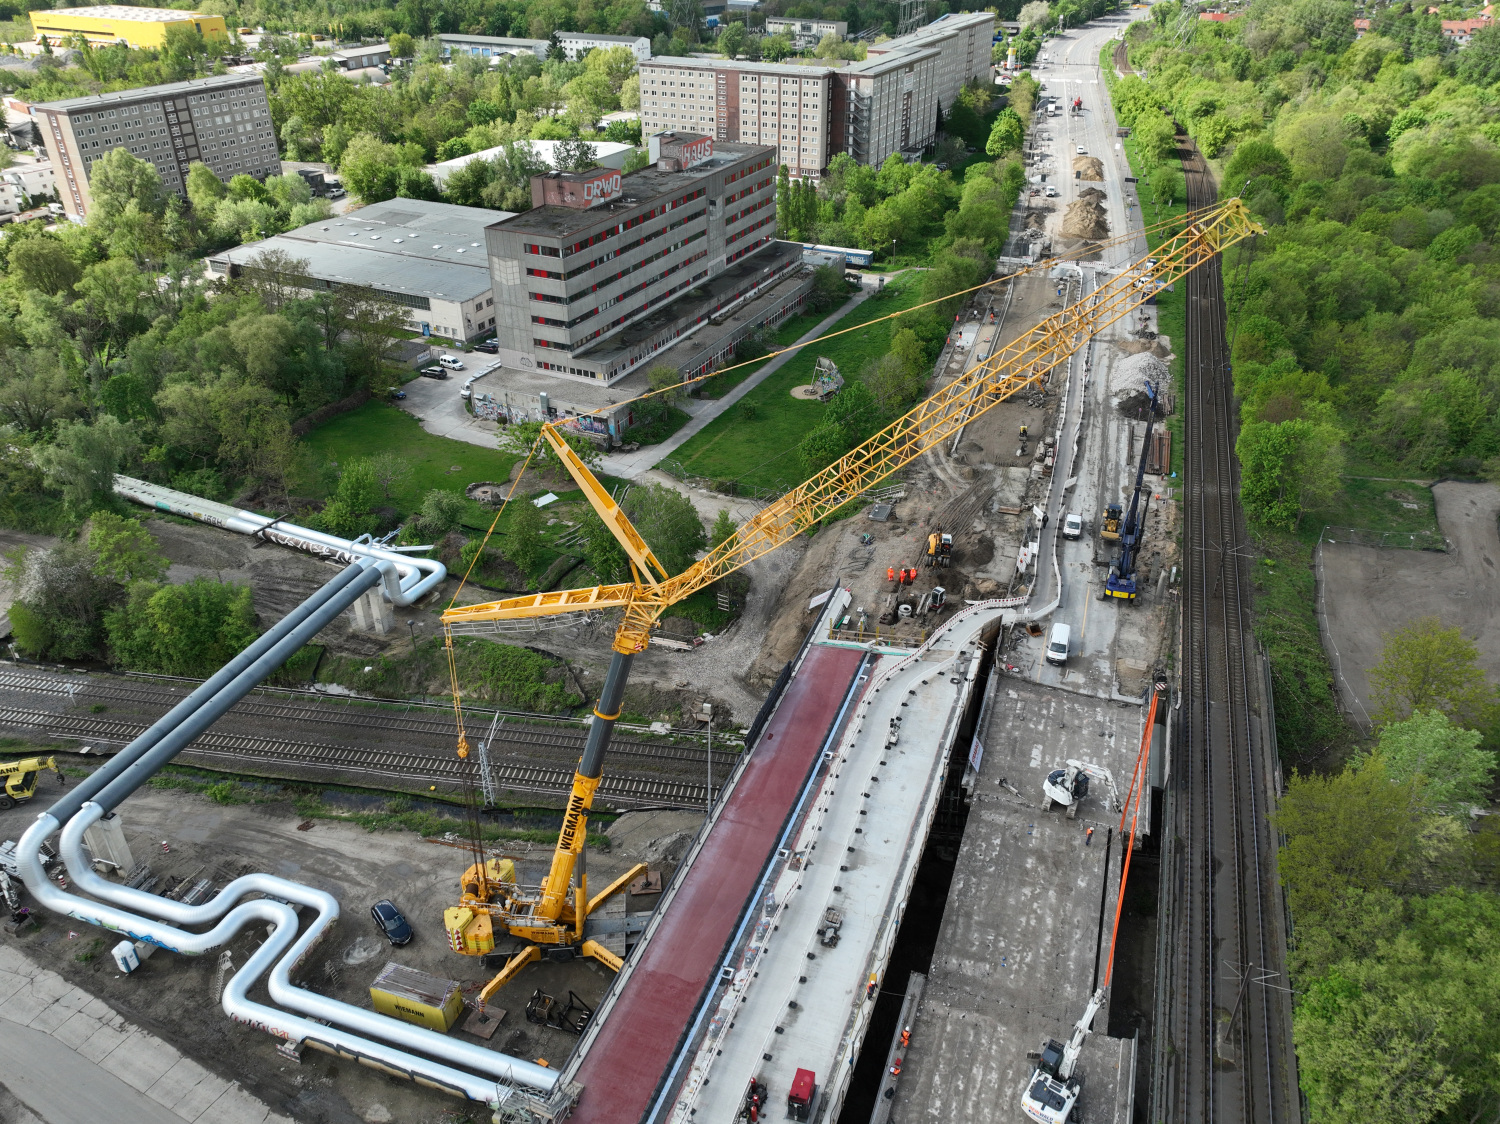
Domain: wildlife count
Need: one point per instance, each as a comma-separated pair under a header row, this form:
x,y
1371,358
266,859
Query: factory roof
x,y
638,188
402,245
192,86
122,12
584,36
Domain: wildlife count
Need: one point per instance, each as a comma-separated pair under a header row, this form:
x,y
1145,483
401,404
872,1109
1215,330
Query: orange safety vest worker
x,y
906,1036
890,573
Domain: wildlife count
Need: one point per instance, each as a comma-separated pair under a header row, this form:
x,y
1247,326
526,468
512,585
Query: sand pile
x,y
1085,218
1127,382
1088,168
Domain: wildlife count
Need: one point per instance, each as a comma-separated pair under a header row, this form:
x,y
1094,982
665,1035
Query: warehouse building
x,y
223,121
576,45
806,33
362,58
428,257
589,284
106,24
491,46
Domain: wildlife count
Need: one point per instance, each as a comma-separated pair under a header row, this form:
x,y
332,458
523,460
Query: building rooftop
x,y
122,12
191,86
636,189
402,246
875,64
354,52
492,40
937,29
609,154
564,36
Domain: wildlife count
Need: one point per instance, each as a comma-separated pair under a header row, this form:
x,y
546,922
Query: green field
x,y
1376,505
437,462
755,442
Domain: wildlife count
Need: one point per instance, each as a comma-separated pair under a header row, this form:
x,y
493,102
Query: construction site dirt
x,y
187,837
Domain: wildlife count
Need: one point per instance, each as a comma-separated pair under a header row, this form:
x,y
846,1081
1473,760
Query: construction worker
x,y
1088,838
890,573
896,1069
905,1037
1023,433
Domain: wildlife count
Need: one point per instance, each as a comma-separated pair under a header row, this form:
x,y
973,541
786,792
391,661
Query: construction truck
x,y
1052,1092
939,549
1121,580
1068,786
1109,525
21,777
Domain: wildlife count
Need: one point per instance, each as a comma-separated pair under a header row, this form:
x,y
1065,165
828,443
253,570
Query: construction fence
x,y
1386,540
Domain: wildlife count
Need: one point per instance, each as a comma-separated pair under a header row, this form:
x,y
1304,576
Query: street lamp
x,y
411,628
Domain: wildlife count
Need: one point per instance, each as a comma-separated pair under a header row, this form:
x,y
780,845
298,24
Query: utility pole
x,y
708,711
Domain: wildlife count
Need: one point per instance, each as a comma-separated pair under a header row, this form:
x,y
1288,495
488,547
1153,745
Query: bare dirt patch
x,y
1365,592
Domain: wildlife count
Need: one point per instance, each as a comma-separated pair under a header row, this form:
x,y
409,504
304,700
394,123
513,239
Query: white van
x,y
1057,644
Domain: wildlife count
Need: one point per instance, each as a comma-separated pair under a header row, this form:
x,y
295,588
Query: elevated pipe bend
x,y
289,951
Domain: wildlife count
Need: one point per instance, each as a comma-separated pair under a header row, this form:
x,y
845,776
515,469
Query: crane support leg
x,y
616,886
603,955
507,973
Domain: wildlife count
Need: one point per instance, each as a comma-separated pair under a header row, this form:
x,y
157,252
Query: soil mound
x,y
1129,378
1089,168
1085,219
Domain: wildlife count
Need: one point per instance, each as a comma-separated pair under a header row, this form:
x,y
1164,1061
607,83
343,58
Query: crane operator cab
x,y
1048,1099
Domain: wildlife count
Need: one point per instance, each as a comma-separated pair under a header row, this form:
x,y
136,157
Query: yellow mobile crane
x,y
554,914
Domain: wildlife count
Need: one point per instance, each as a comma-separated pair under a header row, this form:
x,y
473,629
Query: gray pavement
x,y
71,1059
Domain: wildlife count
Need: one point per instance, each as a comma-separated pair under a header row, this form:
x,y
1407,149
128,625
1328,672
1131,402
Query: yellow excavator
x,y
21,779
553,916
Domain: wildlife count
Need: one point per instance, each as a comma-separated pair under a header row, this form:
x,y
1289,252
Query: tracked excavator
x,y
1069,786
552,918
1052,1091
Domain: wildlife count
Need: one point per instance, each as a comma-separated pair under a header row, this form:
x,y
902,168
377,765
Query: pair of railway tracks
x,y
1228,1023
524,760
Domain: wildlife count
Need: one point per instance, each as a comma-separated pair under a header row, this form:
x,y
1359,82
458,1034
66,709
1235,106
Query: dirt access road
x,y
1365,592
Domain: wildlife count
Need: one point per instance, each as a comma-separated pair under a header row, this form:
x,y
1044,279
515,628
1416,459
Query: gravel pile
x,y
1128,379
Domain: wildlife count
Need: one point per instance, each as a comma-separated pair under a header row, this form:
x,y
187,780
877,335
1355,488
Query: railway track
x,y
524,761
1229,1024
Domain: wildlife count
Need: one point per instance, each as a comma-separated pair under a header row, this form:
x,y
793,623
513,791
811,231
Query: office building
x,y
491,46
964,41
576,45
590,283
223,121
27,183
805,33
106,24
808,109
428,257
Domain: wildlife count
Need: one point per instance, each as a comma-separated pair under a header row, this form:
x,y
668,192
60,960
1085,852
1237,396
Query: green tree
x,y
1006,135
204,190
1167,185
603,552
1425,666
392,471
1454,772
669,523
44,264
723,530
120,182
520,437
83,460
403,46
124,551
60,602
349,511
1356,830
523,539
442,511
191,629
1155,136
1288,468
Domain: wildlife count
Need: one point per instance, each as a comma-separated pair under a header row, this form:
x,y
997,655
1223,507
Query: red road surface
x,y
636,1044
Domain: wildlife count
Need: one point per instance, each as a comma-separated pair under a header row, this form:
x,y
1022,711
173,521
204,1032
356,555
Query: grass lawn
x,y
437,462
788,333
755,443
1375,505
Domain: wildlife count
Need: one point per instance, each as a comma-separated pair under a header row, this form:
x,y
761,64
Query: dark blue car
x,y
391,922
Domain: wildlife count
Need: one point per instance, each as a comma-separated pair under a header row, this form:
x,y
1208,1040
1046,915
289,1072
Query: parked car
x,y
389,920
1051,193
433,373
1072,525
1082,151
491,346
451,363
1057,644
397,392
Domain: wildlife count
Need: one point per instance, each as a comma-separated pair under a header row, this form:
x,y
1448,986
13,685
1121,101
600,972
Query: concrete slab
x,y
140,1060
235,1106
187,1084
10,983
1025,936
24,1006
60,1010
104,1041
62,1087
77,1030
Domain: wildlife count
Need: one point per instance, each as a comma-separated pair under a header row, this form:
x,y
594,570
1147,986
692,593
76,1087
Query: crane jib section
x,y
1024,362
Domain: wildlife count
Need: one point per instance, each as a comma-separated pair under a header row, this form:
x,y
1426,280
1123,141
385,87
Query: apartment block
x,y
809,110
106,24
223,121
964,42
588,282
576,45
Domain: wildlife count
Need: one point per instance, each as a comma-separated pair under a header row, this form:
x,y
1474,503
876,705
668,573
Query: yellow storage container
x,y
415,997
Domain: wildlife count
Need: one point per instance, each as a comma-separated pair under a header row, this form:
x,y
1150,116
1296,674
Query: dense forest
x,y
1365,340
